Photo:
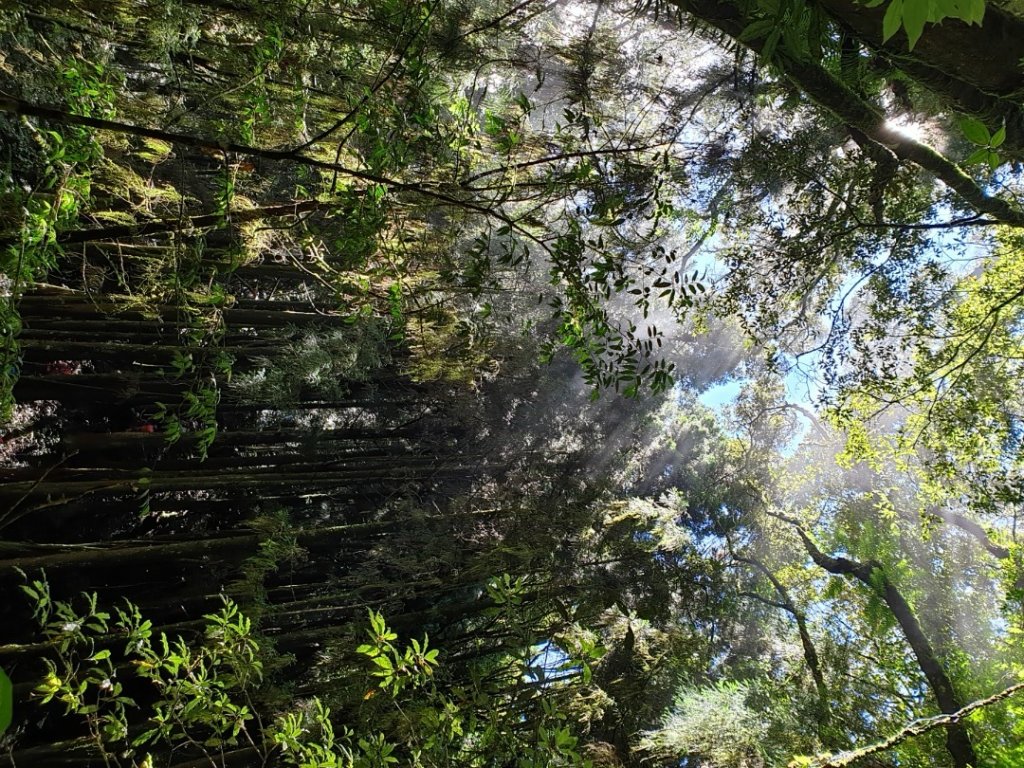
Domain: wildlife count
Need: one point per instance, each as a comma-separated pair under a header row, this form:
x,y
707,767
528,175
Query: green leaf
x,y
998,137
891,21
977,156
6,701
993,160
975,131
915,14
757,30
771,43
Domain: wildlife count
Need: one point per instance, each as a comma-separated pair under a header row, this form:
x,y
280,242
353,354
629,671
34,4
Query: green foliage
x,y
793,26
713,724
395,668
43,212
912,15
201,690
35,213
987,143
959,437
197,687
195,415
205,696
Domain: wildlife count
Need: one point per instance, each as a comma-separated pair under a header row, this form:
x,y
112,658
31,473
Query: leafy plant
x,y
977,133
202,691
196,415
397,668
912,15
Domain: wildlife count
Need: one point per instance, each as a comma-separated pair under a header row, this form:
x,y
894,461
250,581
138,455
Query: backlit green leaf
x,y
891,21
978,156
757,30
975,131
915,14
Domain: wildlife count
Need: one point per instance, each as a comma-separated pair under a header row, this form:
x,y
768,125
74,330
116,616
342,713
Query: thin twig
x,y
7,515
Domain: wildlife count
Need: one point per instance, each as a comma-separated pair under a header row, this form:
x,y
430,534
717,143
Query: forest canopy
x,y
507,383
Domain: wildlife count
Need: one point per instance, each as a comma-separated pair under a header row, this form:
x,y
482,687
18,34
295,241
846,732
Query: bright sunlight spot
x,y
907,128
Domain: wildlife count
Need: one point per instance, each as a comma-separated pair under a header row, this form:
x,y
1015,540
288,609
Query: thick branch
x,y
841,101
835,96
974,69
967,525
